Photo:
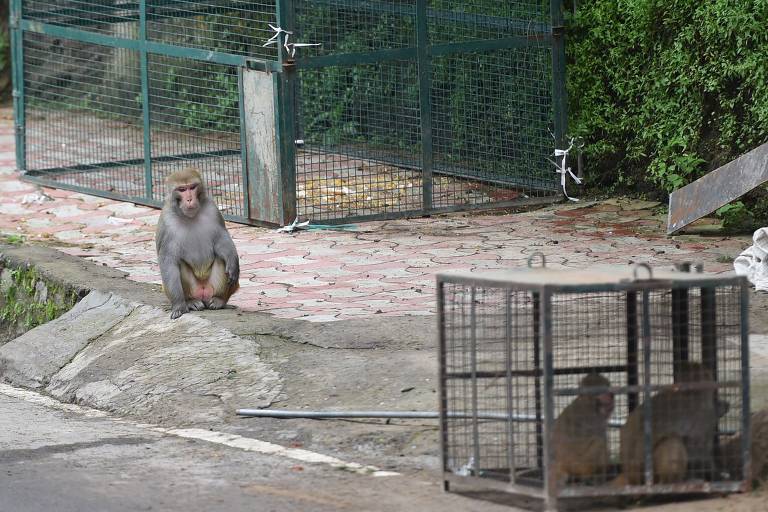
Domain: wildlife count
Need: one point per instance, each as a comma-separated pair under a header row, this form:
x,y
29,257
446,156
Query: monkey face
x,y
605,404
186,197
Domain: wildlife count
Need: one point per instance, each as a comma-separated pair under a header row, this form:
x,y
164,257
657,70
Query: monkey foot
x,y
216,303
195,305
176,312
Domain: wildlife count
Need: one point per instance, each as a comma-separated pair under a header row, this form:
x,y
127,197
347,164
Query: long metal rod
x,y
83,168
508,339
475,392
551,485
270,413
425,415
285,116
559,94
136,44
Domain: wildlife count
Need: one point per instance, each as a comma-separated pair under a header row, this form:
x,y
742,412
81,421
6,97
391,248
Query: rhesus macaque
x,y
198,260
683,426
730,459
579,436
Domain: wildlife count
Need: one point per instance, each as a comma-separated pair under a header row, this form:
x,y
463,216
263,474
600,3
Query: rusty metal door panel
x,y
717,188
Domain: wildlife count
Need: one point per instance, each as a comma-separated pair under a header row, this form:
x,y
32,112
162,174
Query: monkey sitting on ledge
x,y
198,261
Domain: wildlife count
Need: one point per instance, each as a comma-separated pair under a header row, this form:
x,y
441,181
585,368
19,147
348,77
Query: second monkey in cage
x,y
683,426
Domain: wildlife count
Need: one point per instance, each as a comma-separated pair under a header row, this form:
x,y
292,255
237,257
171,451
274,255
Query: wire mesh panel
x,y
560,384
196,121
102,110
492,395
466,120
83,115
342,168
104,16
365,109
235,26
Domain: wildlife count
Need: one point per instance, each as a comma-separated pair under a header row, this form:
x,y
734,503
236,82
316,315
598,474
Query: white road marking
x,y
210,436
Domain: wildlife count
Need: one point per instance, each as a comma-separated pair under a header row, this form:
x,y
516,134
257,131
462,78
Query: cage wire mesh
x,y
490,112
641,337
400,106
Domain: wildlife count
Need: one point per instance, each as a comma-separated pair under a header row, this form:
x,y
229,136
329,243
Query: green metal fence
x,y
327,110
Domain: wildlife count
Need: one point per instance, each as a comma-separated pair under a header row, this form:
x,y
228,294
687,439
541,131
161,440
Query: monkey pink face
x,y
187,199
605,404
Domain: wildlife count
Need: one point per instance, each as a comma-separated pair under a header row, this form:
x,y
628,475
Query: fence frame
x,y
284,69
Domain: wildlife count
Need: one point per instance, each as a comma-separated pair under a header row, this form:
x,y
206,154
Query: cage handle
x,y
688,266
534,255
645,266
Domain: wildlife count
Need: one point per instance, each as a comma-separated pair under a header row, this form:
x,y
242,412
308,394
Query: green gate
x,y
327,110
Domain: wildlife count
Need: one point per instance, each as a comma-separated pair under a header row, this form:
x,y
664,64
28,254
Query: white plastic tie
x,y
565,171
294,226
290,48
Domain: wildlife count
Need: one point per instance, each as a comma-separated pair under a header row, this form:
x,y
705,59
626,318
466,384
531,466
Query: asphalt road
x,y
57,458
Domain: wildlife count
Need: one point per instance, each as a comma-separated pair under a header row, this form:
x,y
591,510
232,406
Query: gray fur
x,y
195,241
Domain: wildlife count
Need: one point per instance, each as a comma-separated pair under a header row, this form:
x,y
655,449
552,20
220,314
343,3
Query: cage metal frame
x,y
284,68
678,282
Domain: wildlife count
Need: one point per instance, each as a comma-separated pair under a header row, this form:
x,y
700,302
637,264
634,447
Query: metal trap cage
x,y
515,350
327,110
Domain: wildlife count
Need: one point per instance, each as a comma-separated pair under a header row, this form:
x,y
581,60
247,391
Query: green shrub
x,y
663,91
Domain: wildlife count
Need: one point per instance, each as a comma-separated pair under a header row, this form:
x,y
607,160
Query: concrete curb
x,y
114,353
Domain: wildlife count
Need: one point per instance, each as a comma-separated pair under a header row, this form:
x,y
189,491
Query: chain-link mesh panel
x,y
490,112
83,114
491,124
196,122
453,21
348,26
352,134
237,27
111,17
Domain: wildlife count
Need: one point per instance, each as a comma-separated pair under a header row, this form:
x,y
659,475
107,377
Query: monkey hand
x,y
232,269
179,309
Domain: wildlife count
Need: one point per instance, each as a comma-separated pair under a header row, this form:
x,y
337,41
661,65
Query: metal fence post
x,y
559,95
551,485
17,75
424,62
146,122
285,110
746,416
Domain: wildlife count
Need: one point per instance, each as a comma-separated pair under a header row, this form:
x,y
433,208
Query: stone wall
x,y
29,298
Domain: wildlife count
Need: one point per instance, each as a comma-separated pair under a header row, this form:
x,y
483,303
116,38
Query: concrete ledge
x,y
117,350
33,358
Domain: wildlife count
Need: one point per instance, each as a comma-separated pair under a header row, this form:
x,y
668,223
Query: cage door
x,y
269,142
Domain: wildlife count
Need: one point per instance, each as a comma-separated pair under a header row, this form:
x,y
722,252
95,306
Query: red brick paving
x,y
383,268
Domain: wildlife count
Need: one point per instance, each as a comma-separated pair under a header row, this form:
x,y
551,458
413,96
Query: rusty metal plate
x,y
717,188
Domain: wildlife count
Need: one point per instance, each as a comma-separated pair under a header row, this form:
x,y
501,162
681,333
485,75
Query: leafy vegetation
x,y
663,91
26,303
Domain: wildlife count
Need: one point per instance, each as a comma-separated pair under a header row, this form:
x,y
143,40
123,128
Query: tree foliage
x,y
663,91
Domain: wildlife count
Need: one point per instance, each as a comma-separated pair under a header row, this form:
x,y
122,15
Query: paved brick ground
x,y
384,268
